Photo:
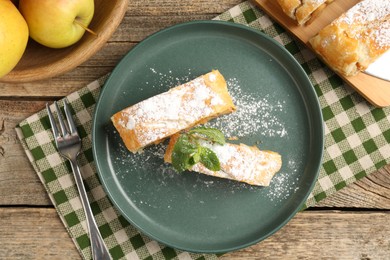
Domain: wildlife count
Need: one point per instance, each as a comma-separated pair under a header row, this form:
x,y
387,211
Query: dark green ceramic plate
x,y
277,109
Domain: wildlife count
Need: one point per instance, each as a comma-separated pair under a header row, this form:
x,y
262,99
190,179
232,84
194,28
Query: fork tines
x,y
66,129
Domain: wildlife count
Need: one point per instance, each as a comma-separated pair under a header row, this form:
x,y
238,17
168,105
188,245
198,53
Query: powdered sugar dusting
x,y
374,17
253,115
166,113
242,163
145,160
283,185
368,11
282,188
168,79
212,77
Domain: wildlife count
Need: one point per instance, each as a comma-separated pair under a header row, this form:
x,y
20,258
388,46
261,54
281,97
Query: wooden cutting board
x,y
375,90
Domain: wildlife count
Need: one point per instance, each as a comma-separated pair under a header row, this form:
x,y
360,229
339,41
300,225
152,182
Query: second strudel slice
x,y
238,162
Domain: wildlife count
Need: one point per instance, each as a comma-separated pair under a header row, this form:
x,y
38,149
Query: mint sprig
x,y
188,149
212,134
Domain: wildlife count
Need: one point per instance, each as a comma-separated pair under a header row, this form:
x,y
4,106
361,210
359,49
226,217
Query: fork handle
x,y
99,249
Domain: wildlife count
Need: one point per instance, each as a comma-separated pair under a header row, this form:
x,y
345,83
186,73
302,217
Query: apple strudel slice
x,y
182,107
238,162
303,11
355,39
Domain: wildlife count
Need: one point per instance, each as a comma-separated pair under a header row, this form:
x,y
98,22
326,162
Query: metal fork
x,y
69,146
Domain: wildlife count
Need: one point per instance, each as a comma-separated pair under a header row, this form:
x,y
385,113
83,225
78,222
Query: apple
x,y
13,36
57,23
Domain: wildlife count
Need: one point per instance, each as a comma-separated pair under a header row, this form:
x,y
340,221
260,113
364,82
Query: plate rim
x,y
315,116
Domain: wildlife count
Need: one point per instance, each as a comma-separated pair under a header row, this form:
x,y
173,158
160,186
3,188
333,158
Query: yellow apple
x,y
13,36
57,23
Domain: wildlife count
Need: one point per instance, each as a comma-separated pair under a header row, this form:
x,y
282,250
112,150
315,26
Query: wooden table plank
x,y
179,8
326,235
310,235
18,182
35,233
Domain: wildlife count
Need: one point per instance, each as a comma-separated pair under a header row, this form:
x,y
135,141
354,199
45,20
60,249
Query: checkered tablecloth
x,y
357,138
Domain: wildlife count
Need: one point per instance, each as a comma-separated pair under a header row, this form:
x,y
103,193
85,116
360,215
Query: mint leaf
x,y
212,134
180,161
188,151
209,159
184,145
182,154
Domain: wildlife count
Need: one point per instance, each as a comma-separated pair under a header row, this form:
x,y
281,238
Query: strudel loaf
x,y
182,107
238,162
356,39
303,10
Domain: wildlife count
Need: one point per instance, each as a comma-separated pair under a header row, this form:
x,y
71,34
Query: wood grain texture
x,y
18,182
34,234
326,235
375,90
309,235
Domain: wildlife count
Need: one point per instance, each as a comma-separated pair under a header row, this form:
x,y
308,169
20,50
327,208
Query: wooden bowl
x,y
40,62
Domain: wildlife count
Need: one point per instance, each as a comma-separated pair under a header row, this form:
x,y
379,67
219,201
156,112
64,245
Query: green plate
x,y
277,109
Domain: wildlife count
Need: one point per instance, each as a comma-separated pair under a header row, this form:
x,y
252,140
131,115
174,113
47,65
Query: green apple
x,y
57,23
13,36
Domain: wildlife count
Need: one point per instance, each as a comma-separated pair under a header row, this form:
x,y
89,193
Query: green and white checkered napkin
x,y
357,138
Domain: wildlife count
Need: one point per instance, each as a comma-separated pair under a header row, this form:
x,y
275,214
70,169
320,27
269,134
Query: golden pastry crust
x,y
182,107
356,39
303,11
238,162
289,7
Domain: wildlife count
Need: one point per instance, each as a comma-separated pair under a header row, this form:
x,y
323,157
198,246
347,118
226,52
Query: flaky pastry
x,y
356,39
303,11
182,107
238,162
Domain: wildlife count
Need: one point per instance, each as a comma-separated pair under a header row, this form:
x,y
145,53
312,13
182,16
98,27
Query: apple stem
x,y
85,27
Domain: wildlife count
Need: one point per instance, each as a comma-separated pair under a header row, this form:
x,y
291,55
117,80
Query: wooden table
x,y
352,224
